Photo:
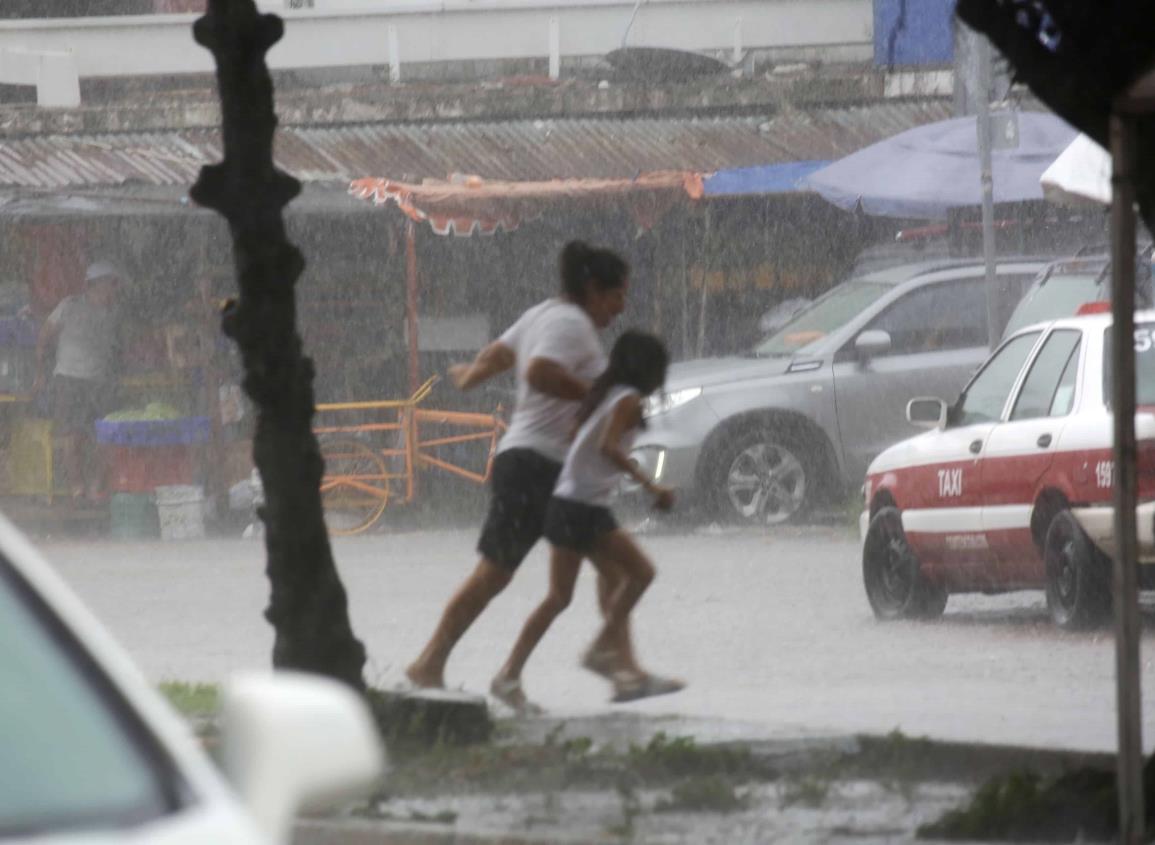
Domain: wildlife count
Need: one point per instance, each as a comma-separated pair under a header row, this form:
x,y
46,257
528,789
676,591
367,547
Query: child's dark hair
x,y
638,360
582,264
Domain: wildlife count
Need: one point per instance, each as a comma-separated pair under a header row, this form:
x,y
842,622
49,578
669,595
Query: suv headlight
x,y
660,403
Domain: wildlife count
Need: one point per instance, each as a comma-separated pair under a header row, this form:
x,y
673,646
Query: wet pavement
x,y
770,628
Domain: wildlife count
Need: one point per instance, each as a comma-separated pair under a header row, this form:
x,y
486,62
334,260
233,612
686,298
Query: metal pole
x,y
705,287
411,304
982,54
684,231
1126,569
394,54
554,48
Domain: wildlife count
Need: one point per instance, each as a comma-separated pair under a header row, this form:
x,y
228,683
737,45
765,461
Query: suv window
x,y
1052,372
1059,296
984,397
1061,289
826,314
944,315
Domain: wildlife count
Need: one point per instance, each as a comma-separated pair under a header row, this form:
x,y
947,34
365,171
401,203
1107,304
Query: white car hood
x,y
905,453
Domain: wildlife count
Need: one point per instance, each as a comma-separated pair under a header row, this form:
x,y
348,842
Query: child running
x,y
579,523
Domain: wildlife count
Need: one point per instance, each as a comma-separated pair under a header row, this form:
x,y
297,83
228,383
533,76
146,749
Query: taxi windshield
x,y
824,316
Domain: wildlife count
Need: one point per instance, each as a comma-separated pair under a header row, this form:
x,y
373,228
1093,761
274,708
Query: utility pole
x,y
973,78
982,57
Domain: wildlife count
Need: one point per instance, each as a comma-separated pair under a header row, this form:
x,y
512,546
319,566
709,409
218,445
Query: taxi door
x,y
1020,450
942,503
956,526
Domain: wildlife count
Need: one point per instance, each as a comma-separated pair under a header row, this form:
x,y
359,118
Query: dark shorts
x,y
577,525
76,403
522,482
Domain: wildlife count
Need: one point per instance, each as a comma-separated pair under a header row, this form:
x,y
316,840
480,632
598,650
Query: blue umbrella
x,y
930,169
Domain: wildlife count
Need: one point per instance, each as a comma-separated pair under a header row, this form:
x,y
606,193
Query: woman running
x,y
557,354
579,523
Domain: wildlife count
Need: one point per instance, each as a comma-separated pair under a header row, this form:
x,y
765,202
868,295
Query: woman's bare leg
x,y
483,584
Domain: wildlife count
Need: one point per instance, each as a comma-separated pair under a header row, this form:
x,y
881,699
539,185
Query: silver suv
x,y
761,438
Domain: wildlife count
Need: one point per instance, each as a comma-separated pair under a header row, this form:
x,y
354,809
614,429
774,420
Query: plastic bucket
x,y
181,508
133,516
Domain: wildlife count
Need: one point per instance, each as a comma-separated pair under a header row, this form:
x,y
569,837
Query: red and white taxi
x,y
1012,488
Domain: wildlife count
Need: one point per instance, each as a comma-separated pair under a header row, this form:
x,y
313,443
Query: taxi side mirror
x,y
872,343
926,412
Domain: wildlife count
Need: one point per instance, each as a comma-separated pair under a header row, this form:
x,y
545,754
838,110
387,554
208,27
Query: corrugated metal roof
x,y
512,150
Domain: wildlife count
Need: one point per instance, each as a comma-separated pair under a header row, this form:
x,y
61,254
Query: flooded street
x,y
771,630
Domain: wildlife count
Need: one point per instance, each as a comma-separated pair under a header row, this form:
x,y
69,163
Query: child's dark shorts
x,y
577,525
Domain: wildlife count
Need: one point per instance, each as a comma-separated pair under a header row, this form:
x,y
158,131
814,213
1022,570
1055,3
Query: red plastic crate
x,y
140,469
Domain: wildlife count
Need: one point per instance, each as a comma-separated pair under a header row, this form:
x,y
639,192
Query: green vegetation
x,y
709,794
557,765
665,757
805,791
193,701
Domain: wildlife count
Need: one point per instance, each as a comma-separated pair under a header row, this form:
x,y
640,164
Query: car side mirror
x,y
927,412
292,741
872,343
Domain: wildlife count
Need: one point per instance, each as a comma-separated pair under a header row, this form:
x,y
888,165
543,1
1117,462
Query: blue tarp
x,y
764,179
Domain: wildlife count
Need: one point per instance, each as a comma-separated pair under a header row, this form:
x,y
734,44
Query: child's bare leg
x,y
616,554
610,580
563,572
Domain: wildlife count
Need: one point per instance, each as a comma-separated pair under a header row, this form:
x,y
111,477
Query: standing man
x,y
556,354
82,331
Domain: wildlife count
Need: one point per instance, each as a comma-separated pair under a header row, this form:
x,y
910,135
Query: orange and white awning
x,y
467,205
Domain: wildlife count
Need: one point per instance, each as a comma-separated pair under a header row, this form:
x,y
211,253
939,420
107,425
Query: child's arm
x,y
627,414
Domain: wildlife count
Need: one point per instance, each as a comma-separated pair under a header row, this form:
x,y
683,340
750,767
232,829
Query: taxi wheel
x,y
1078,576
892,575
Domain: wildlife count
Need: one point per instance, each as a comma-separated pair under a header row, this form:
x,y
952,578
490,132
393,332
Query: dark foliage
x,y
1079,805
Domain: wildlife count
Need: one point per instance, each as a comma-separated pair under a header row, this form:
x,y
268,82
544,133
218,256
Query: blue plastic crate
x,y
184,431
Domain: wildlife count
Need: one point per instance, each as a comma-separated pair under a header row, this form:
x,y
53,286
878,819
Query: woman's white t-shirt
x,y
588,476
561,332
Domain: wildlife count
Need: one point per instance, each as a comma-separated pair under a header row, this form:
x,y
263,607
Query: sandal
x,y
605,663
510,693
634,687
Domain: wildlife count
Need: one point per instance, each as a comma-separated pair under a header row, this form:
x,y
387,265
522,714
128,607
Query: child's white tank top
x,y
589,476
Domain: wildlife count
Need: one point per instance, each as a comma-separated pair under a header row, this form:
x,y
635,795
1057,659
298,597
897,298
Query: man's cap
x,y
102,270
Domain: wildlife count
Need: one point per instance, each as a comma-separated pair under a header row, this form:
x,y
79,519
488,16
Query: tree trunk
x,y
308,608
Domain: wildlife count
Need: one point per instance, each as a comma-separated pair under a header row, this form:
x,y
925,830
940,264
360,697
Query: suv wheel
x,y
1078,575
892,575
762,477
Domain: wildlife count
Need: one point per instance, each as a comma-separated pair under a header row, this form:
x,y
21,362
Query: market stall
x,y
468,205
